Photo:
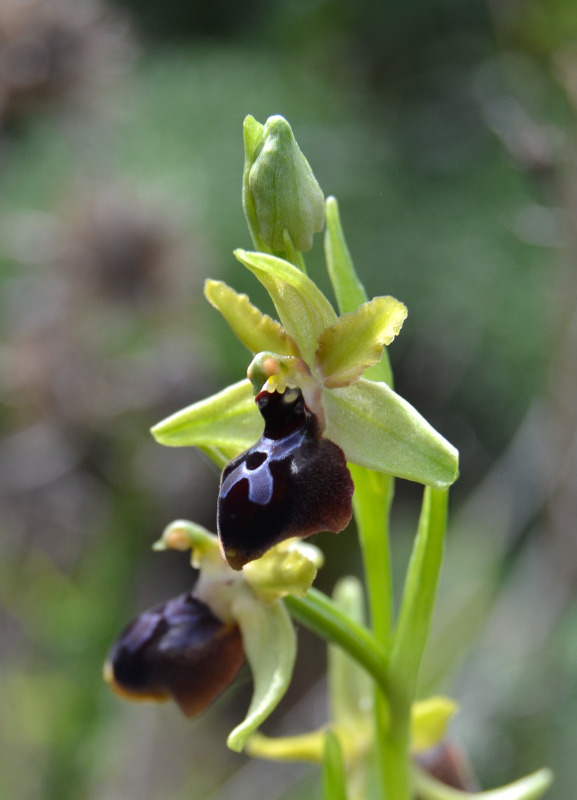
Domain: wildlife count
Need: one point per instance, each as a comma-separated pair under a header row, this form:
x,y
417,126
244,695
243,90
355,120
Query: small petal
x,y
429,721
356,341
303,309
303,747
177,650
256,330
379,430
227,420
291,483
270,645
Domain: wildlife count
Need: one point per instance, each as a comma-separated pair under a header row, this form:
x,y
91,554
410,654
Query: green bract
x,y
325,355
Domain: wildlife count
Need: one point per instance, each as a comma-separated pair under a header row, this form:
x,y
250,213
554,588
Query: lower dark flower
x,y
177,650
293,482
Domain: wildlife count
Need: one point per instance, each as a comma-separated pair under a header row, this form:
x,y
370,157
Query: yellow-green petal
x,y
269,642
379,430
429,721
302,747
303,309
257,331
356,341
228,421
284,569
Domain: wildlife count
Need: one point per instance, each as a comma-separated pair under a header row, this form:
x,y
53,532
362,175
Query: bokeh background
x,y
447,130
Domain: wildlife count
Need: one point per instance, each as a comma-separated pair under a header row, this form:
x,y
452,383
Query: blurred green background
x,y
447,130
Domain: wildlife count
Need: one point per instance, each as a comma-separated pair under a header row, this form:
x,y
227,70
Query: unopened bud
x,y
284,193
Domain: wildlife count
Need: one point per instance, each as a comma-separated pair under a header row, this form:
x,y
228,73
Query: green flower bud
x,y
285,195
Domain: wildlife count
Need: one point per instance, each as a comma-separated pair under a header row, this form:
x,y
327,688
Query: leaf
x,y
303,309
228,420
269,642
257,331
379,430
334,774
357,340
350,689
420,590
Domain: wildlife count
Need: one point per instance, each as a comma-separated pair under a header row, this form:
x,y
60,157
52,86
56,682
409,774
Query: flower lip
x,y
292,482
177,650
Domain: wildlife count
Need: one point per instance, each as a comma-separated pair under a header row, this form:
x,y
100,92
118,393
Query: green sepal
x,y
257,331
269,642
228,420
219,455
303,309
429,721
357,340
531,787
253,136
379,430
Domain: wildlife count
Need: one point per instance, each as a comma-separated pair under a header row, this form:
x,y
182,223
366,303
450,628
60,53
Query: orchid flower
x,y
324,356
191,648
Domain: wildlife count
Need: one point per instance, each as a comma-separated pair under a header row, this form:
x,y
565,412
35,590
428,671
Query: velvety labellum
x,y
177,650
291,483
448,763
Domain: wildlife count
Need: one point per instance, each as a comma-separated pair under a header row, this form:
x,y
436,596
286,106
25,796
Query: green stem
x,y
318,613
410,638
371,502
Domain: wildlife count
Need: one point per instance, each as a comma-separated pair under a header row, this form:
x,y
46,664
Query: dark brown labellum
x,y
448,763
291,483
177,650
